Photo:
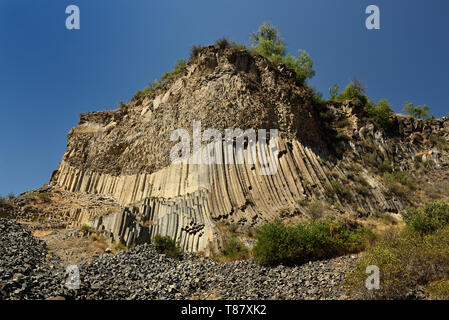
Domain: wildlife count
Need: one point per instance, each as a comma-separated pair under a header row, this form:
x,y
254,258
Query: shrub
x,y
85,229
138,94
442,144
361,185
385,166
316,210
354,91
432,217
232,246
360,178
147,91
179,66
370,158
279,244
328,190
94,237
436,190
439,142
232,227
398,183
44,197
122,104
340,190
418,159
151,88
342,137
385,217
363,190
166,245
381,115
238,46
195,50
119,246
284,211
223,43
177,69
394,276
234,249
405,262
417,255
2,199
31,195
438,290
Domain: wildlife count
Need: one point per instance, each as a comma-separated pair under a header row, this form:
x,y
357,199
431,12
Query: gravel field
x,y
27,271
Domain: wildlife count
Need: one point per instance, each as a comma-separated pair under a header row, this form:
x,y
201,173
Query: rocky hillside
x,y
116,174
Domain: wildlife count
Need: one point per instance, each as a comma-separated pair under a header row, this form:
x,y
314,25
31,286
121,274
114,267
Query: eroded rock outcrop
x,y
125,154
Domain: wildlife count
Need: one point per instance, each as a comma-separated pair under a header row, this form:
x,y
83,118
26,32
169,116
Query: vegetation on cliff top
x,y
421,112
379,113
265,41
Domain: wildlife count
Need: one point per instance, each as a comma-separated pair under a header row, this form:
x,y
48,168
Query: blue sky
x,y
48,74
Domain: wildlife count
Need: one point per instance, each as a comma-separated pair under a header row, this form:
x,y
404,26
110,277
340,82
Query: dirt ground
x,y
72,246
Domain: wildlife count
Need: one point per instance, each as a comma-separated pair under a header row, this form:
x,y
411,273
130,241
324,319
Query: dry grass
x,y
42,233
58,203
408,257
232,247
72,250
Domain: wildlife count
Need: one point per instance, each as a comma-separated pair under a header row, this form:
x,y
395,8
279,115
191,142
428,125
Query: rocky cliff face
x,y
222,88
124,154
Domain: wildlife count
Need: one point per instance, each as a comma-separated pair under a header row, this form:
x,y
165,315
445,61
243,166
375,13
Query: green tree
x,y
354,91
381,114
421,112
267,42
333,91
303,65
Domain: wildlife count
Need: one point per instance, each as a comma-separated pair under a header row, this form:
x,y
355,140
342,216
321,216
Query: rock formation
x,y
124,154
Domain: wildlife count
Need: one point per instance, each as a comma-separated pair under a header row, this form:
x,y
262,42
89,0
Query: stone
x,y
56,298
17,277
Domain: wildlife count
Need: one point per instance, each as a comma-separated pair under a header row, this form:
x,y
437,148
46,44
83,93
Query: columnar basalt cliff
x,y
125,154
